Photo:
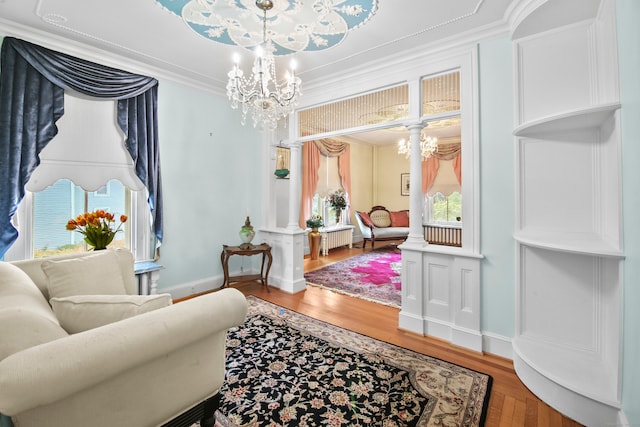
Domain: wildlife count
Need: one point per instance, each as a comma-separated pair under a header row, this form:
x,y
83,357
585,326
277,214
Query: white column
x,y
416,233
295,185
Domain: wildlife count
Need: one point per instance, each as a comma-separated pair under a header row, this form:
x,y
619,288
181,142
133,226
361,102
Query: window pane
x,y
441,93
446,209
383,106
56,205
439,208
454,207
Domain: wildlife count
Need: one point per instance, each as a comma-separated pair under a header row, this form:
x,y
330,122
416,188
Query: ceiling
x,y
145,32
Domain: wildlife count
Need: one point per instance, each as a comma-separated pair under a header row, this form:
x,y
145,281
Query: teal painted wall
x,y
211,171
628,12
497,190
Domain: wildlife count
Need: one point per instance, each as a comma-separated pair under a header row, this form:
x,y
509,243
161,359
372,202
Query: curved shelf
x,y
558,376
589,117
577,243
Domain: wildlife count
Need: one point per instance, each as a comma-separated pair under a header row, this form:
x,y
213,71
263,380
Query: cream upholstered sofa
x,y
381,224
109,357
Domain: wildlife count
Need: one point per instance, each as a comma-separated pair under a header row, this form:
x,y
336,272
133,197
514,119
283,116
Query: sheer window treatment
x,y
32,84
311,152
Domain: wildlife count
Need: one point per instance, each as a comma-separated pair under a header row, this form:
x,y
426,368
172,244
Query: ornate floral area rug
x,y
374,276
286,369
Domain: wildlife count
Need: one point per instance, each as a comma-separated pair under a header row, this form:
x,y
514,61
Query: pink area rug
x,y
374,276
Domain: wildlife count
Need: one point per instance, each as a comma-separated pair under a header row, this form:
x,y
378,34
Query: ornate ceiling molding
x,y
293,25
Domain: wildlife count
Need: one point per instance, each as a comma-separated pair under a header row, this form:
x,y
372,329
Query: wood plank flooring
x,y
511,404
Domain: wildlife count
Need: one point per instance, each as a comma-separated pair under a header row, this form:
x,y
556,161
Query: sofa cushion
x,y
366,219
83,312
391,232
380,218
399,219
95,274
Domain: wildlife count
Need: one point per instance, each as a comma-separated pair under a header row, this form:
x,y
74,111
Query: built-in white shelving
x,y
572,242
568,227
599,385
583,118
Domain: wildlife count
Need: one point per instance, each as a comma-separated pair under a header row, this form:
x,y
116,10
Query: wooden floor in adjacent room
x,y
511,404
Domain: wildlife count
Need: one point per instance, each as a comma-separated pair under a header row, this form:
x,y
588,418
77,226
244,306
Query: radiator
x,y
443,235
336,237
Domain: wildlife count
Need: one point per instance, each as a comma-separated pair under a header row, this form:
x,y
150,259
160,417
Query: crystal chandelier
x,y
261,93
428,146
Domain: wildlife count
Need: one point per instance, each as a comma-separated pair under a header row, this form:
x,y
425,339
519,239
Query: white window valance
x,y
88,149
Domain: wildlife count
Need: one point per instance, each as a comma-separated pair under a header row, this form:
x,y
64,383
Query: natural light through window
x,y
55,205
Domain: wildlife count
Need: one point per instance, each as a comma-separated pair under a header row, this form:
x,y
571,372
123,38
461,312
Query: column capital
x,y
415,124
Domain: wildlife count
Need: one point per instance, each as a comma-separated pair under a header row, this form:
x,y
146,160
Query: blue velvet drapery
x,y
32,84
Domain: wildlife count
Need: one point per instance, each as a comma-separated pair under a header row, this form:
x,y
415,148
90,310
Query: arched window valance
x,y
446,151
32,84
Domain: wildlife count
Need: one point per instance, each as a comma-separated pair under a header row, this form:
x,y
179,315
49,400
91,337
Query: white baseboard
x,y
214,282
623,421
192,288
497,344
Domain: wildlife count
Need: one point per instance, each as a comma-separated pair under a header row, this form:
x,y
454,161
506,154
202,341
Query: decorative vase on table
x,y
338,201
247,234
97,227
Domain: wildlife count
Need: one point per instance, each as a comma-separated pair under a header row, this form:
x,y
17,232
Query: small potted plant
x,y
315,222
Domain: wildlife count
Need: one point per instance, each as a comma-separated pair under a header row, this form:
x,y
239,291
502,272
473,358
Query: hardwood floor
x,y
511,404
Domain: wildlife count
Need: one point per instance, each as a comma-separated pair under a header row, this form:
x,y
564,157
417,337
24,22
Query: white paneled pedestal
x,y
568,229
441,295
287,249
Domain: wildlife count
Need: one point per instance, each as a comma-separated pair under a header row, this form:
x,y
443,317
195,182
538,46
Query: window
x,y
55,205
446,209
355,112
87,152
328,183
443,201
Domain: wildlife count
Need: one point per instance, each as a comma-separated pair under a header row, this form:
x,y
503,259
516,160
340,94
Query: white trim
x,y
575,405
195,287
497,344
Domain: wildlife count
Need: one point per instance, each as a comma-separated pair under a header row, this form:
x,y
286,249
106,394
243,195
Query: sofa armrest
x,y
365,230
55,370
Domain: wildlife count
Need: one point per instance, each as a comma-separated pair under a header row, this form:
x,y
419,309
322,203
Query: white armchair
x,y
164,366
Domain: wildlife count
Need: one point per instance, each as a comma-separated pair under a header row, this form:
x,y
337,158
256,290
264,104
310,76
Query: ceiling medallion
x,y
294,25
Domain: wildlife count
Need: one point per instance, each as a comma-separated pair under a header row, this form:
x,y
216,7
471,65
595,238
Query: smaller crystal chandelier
x,y
261,93
428,146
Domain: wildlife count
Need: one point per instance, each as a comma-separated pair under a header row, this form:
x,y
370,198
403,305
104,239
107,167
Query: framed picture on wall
x,y
404,184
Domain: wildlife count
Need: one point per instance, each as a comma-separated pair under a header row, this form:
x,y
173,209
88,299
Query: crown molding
x,y
519,11
168,72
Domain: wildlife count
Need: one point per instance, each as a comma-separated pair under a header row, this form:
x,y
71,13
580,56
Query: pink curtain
x,y
457,167
429,172
344,169
310,166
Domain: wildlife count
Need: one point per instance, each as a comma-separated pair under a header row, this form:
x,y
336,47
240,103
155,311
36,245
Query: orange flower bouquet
x,y
96,227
